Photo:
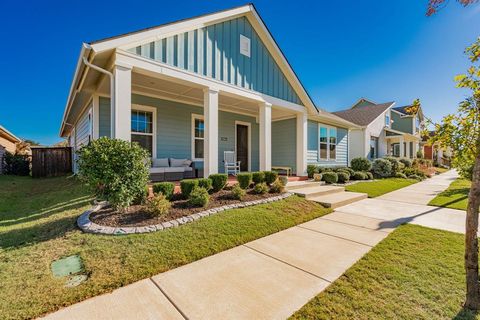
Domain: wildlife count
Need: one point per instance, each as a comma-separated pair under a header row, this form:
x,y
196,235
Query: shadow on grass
x,y
465,314
37,233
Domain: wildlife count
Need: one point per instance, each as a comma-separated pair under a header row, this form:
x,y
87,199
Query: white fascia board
x,y
166,30
331,119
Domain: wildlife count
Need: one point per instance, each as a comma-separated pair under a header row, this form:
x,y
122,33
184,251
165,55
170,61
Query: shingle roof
x,y
364,115
401,109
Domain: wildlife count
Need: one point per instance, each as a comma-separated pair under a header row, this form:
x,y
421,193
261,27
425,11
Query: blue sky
x,y
341,50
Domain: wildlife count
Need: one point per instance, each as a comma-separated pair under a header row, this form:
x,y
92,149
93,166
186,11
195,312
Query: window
x,y
417,123
373,148
142,129
387,120
198,135
396,149
327,143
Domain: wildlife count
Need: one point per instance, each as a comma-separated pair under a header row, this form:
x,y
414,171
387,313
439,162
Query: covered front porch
x,y
189,117
402,145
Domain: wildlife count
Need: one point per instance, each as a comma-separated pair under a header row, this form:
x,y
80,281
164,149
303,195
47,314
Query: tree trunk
x,y
471,241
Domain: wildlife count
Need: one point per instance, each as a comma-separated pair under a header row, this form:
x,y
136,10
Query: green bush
x,y
158,205
199,197
465,169
349,170
283,180
165,188
359,175
406,162
369,175
343,176
238,193
325,169
344,170
311,169
258,177
330,177
114,169
416,177
414,171
16,164
205,183
187,186
244,180
219,181
361,164
395,164
260,188
277,187
382,168
400,175
270,176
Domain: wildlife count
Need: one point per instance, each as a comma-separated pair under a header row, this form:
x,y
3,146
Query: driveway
x,y
272,277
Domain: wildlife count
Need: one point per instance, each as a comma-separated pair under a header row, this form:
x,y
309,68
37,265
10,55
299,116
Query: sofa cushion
x,y
186,169
175,169
162,162
179,162
157,170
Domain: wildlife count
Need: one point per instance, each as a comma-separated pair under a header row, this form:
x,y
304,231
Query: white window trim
x,y
153,110
194,117
249,125
328,142
388,124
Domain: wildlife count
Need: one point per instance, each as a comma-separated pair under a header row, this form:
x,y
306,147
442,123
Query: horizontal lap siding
x,y
312,147
284,143
214,52
82,130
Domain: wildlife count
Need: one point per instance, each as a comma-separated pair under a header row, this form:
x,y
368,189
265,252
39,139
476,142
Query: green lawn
x,y
37,226
416,273
378,187
455,197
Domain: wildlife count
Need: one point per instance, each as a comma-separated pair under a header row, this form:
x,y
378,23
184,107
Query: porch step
x,y
338,199
293,185
310,192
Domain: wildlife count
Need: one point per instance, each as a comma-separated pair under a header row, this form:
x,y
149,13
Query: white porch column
x,y
415,149
121,128
302,134
265,136
402,148
210,149
408,155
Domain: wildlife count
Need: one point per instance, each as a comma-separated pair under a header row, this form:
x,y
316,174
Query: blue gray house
x,y
198,87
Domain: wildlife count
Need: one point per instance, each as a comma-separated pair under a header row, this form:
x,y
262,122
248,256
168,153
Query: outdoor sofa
x,y
172,169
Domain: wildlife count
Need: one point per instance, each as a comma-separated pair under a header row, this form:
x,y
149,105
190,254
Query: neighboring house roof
x,y
8,135
402,110
363,101
364,115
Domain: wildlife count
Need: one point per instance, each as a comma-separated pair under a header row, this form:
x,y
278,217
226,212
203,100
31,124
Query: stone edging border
x,y
88,226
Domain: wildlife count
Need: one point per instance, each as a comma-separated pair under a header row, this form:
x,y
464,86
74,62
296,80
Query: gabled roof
x,y
4,132
364,115
363,101
403,112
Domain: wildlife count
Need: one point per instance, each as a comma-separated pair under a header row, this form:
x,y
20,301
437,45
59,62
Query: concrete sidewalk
x,y
272,277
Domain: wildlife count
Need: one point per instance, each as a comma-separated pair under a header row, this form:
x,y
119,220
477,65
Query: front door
x,y
242,146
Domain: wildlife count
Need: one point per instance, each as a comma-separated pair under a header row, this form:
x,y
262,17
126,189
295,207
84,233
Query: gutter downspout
x,y
112,93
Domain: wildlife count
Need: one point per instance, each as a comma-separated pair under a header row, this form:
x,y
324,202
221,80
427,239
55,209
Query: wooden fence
x,y
51,161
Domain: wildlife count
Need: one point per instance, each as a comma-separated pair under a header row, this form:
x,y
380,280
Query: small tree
x,y
116,170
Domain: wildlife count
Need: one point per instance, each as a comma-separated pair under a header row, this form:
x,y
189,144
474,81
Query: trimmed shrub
x,y
15,164
205,183
277,187
400,175
258,177
311,169
219,181
406,162
244,180
158,205
416,177
343,176
345,171
238,193
187,186
414,171
361,164
349,170
359,175
199,197
325,169
283,180
369,175
260,188
116,170
270,176
165,188
395,164
330,177
382,168
141,197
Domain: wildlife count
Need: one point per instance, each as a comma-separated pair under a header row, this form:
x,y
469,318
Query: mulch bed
x,y
136,216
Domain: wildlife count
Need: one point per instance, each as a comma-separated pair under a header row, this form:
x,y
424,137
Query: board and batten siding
x,y
403,124
174,129
284,143
214,51
312,147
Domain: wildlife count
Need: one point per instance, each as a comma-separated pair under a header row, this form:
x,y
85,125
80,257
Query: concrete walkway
x,y
272,277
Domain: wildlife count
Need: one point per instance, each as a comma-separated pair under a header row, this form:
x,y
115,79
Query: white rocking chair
x,y
231,163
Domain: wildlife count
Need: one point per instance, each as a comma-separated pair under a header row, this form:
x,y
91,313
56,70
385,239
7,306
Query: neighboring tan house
x,y
8,142
383,130
439,156
198,87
